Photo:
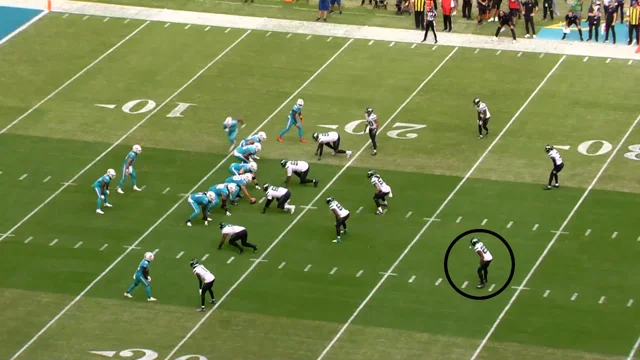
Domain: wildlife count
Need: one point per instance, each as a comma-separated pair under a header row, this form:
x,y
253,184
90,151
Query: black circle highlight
x,y
494,294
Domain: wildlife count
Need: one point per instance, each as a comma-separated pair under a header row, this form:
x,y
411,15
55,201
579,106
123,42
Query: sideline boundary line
x,y
435,215
72,79
23,27
75,300
353,158
555,237
634,349
115,262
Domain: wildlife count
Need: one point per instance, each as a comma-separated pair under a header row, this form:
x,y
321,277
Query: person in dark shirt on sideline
x,y
571,19
505,19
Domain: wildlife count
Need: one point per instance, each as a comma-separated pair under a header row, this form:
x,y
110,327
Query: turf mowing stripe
x,y
546,293
104,247
359,273
305,269
555,237
23,27
335,178
128,132
282,265
412,278
535,227
634,349
435,215
78,245
46,179
230,259
360,209
72,79
28,239
459,219
438,282
333,271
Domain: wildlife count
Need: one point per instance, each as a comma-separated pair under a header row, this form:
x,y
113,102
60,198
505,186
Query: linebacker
x,y
382,190
235,233
332,140
278,193
300,169
205,279
127,168
483,117
341,214
485,261
142,276
558,165
371,120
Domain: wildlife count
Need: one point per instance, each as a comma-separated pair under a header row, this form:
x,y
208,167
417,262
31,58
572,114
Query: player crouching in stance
x,y
142,276
254,139
201,203
235,233
246,154
382,191
241,182
230,126
223,192
332,140
485,261
205,279
278,193
101,186
483,117
558,165
300,169
127,168
341,214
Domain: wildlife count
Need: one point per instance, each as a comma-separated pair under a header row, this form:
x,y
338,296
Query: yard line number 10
x,y
588,148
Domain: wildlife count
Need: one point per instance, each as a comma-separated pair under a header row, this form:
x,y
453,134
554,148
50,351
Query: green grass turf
x,y
288,312
353,13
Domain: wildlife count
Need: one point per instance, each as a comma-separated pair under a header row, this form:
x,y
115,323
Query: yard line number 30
x,y
146,354
400,132
586,149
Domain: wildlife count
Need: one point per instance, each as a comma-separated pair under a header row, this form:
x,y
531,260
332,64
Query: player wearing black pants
x,y
505,20
466,9
299,169
430,24
341,214
571,19
593,18
558,165
371,121
547,5
331,140
610,22
205,279
530,9
235,233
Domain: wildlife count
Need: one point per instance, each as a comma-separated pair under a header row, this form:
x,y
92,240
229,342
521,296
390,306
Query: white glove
x,y
107,192
258,187
200,291
149,278
206,222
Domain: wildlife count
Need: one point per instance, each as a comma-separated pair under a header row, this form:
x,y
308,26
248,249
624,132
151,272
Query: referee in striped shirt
x,y
430,24
634,22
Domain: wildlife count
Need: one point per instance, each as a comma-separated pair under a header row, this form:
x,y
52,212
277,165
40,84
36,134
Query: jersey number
x,y
293,163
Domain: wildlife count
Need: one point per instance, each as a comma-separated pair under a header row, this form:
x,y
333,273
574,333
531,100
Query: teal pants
x,y
100,195
291,123
139,279
124,176
196,210
232,136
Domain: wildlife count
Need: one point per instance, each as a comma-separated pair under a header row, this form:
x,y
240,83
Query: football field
x,y
79,91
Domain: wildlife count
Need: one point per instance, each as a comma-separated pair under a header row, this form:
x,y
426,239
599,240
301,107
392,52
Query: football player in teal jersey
x,y
239,169
127,168
101,186
247,153
241,181
223,192
142,276
201,203
294,119
230,126
254,139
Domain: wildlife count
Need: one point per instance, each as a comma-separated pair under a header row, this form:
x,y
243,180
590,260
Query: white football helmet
x,y
111,173
258,147
248,177
232,187
211,196
253,166
228,121
137,149
262,136
300,103
149,256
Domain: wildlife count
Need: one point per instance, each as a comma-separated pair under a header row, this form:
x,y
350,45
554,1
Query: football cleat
x,y
188,223
349,152
98,211
202,309
315,183
338,241
280,139
108,205
127,295
480,285
135,188
151,299
293,209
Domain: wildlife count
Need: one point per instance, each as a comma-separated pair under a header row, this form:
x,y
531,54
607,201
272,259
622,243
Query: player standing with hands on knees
x,y
206,280
558,165
505,20
485,261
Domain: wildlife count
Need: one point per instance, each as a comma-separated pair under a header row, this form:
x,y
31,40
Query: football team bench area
x,y
351,242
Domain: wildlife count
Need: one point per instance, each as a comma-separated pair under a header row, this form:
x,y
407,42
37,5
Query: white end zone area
x,y
324,29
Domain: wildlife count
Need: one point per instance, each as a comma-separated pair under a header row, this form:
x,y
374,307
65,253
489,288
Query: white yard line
x,y
634,349
555,237
77,298
72,79
127,133
359,273
435,215
320,194
22,28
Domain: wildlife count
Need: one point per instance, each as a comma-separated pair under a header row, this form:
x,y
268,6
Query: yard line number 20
x,y
586,149
400,131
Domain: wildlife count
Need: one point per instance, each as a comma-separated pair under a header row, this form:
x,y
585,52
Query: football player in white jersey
x,y
382,191
332,140
341,214
300,169
278,193
235,233
205,279
485,260
558,165
483,117
371,121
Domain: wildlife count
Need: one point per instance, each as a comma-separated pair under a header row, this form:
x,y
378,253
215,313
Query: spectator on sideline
x,y
634,22
620,6
446,15
575,6
530,9
548,5
610,23
466,9
482,9
571,19
514,10
605,5
418,13
333,2
495,6
594,19
323,9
